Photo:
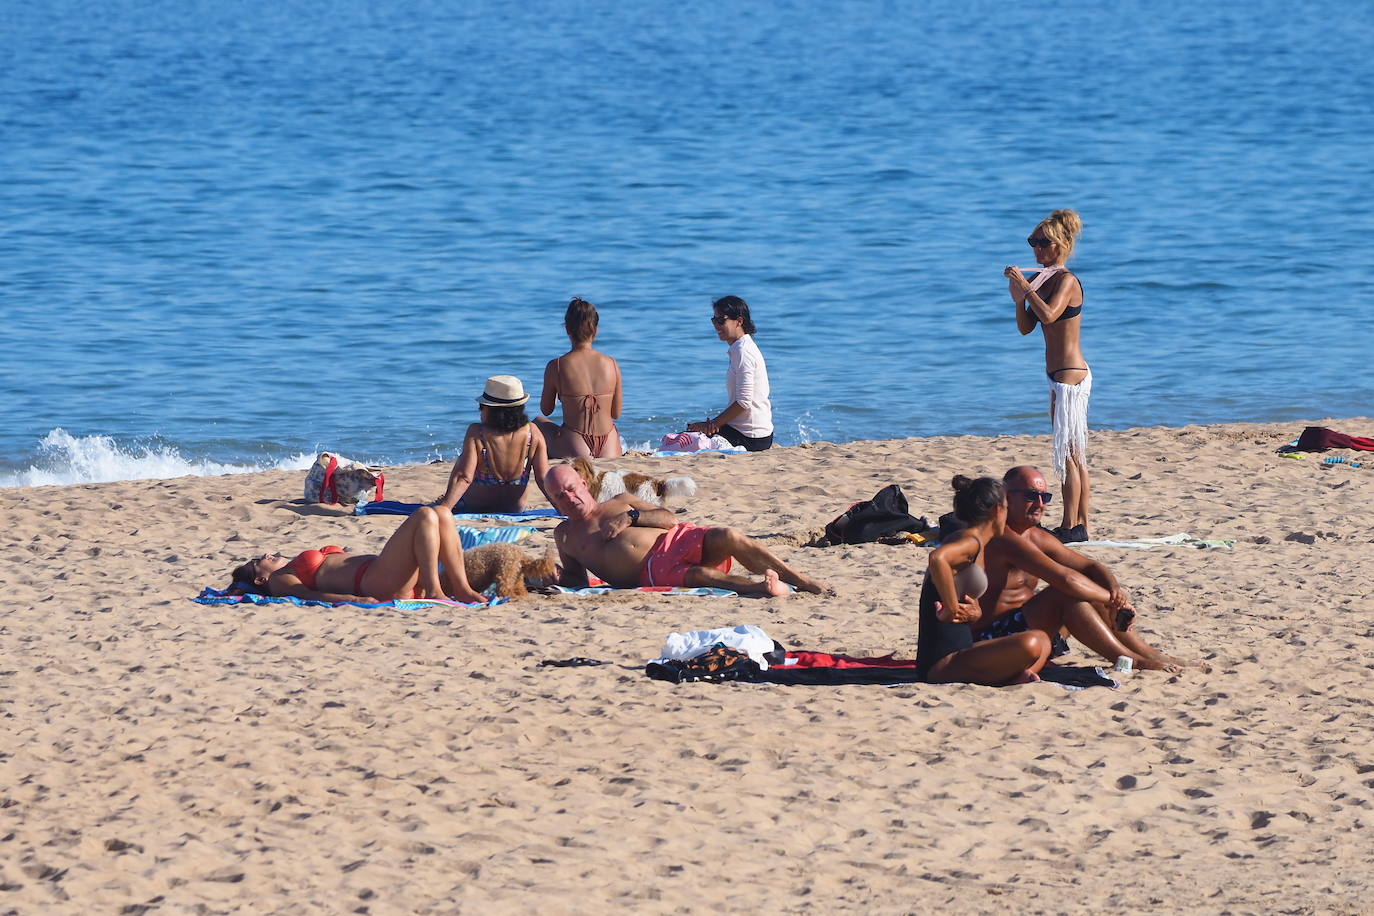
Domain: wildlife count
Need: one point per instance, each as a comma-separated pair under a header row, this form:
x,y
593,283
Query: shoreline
x,y
278,757
304,458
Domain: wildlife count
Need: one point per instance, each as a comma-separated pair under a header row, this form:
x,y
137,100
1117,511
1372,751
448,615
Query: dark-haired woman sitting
x,y
423,559
748,419
955,579
588,385
492,474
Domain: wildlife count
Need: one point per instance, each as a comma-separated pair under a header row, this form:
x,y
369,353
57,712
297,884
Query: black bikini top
x,y
1070,312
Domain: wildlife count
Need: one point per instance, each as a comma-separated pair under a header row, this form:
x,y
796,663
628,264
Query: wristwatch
x,y
633,513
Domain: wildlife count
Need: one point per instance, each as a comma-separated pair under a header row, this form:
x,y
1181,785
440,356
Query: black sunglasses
x,y
1039,241
719,320
1036,495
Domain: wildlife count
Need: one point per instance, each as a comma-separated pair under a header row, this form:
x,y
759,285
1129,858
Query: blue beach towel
x,y
718,451
700,591
392,507
219,596
476,537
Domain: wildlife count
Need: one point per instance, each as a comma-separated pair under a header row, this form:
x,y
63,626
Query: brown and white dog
x,y
512,569
657,490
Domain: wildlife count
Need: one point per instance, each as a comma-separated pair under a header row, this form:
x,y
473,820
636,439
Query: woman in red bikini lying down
x,y
588,384
423,559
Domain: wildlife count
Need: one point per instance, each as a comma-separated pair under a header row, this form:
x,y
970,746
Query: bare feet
x,y
1025,677
1159,663
772,585
806,584
1183,662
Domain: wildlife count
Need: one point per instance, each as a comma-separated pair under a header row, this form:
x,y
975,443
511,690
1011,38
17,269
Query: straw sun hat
x,y
503,391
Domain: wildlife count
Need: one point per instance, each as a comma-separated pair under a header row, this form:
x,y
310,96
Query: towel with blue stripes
x,y
392,507
476,537
221,596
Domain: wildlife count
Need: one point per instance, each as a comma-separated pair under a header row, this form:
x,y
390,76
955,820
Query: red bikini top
x,y
306,564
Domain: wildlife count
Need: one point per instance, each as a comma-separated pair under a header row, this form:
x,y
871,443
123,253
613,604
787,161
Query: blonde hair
x,y
1063,227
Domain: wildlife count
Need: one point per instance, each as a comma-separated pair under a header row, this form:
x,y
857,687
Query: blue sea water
x,y
236,232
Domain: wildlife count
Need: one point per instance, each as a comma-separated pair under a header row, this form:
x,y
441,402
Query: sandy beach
x,y
164,756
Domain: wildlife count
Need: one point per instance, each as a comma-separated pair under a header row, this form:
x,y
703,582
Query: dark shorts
x,y
1013,623
750,443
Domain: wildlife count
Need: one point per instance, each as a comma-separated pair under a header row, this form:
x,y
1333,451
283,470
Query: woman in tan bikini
x,y
423,559
1053,300
588,385
946,651
492,474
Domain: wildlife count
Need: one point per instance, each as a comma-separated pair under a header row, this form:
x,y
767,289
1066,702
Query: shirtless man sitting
x,y
630,543
1082,597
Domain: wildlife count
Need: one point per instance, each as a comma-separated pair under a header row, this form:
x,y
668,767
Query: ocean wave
x,y
67,459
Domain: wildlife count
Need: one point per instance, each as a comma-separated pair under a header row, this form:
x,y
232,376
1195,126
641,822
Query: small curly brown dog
x,y
512,569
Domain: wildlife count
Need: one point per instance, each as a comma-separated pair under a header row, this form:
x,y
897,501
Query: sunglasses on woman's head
x,y
1039,241
1036,495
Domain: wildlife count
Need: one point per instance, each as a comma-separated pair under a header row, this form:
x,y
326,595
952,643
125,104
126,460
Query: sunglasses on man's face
x,y
1035,496
1039,241
718,320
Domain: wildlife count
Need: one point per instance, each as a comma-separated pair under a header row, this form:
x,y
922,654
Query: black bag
x,y
950,524
882,516
719,663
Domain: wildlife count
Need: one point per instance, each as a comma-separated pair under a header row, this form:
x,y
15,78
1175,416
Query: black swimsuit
x,y
934,638
1072,311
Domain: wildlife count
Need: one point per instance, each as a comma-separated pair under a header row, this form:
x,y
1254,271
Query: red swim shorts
x,y
677,550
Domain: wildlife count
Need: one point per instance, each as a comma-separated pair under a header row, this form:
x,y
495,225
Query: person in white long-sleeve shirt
x,y
748,419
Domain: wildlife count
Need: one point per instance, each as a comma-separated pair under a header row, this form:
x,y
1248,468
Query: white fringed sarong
x,y
1069,420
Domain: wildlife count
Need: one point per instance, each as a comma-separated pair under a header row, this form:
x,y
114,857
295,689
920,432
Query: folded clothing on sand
x,y
392,507
749,639
221,596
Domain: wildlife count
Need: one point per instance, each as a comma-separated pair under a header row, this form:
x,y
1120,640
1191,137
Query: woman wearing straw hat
x,y
748,419
493,472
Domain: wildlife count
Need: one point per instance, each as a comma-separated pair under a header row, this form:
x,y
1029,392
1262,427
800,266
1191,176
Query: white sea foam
x,y
68,459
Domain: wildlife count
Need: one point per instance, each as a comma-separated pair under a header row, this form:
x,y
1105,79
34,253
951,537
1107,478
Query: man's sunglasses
x,y
1036,495
719,320
1039,241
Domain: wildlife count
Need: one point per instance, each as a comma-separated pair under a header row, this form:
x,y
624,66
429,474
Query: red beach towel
x,y
1319,439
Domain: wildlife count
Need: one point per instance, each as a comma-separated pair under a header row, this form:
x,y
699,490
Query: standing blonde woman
x,y
1054,300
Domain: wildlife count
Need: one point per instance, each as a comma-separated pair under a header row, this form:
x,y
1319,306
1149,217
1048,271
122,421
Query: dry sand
x,y
280,759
